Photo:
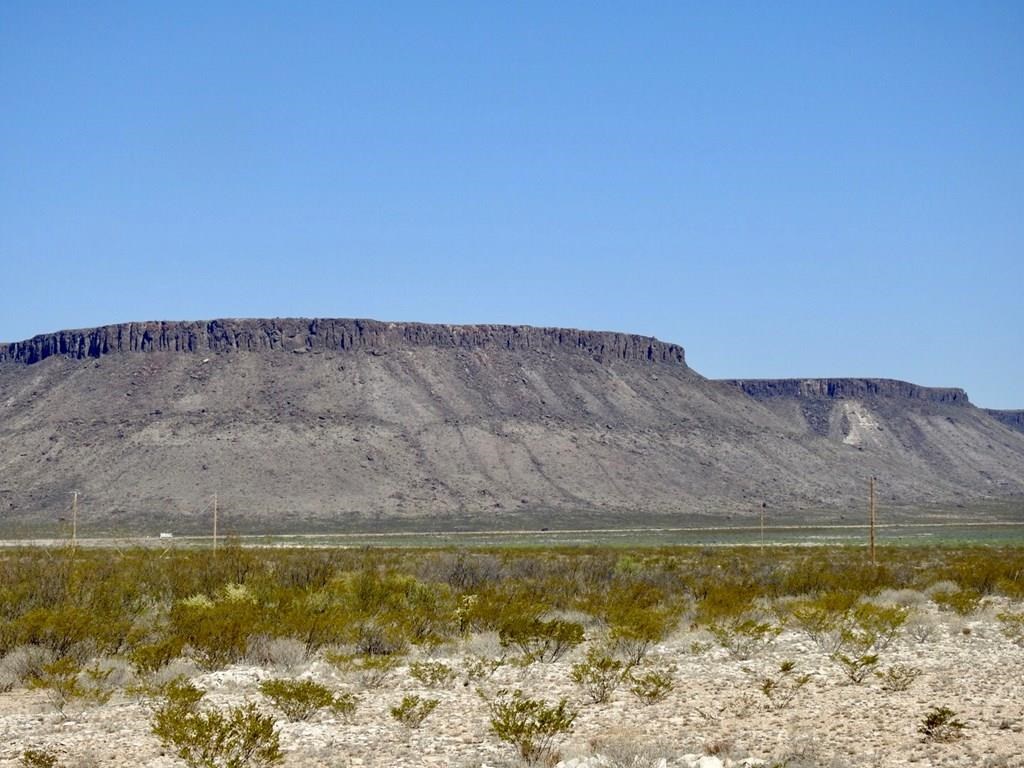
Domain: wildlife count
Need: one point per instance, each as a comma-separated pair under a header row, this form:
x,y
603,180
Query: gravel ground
x,y
716,706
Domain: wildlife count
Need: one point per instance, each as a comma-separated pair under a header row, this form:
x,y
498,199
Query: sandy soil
x,y
716,705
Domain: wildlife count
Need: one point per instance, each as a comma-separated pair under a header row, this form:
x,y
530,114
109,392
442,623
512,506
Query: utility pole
x,y
871,518
215,523
764,506
74,518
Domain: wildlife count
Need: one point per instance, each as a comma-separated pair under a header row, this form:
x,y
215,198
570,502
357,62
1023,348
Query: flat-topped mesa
x,y
762,389
335,335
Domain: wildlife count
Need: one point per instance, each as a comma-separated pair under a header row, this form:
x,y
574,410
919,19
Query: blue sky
x,y
786,189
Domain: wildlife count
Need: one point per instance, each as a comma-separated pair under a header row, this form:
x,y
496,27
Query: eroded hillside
x,y
313,424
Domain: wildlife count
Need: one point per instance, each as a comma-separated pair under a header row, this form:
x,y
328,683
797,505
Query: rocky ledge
x,y
763,389
336,335
1012,419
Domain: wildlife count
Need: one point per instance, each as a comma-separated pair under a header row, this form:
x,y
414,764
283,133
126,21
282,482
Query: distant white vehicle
x,y
166,535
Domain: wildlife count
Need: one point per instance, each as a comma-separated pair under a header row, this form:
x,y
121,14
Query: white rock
x,y
709,761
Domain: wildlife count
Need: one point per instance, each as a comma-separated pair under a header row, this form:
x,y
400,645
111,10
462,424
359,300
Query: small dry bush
x,y
481,668
898,677
805,753
370,671
433,674
39,758
1012,625
21,664
941,724
905,598
922,627
283,653
625,753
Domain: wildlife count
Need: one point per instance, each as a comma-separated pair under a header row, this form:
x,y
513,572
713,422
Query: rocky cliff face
x,y
336,335
834,389
1012,419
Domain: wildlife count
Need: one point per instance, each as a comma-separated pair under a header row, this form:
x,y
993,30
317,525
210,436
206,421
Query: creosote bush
x,y
379,603
962,602
783,686
39,758
529,725
241,737
744,637
651,686
540,640
301,699
599,674
413,711
898,677
433,674
941,724
1012,626
371,671
64,681
637,619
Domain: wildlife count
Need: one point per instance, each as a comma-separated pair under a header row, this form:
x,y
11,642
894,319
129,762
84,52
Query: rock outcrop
x,y
335,335
1012,419
833,389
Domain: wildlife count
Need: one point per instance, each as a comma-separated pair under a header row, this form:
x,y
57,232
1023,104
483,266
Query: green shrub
x,y
479,668
301,699
218,631
241,737
598,675
64,682
722,599
652,686
867,630
819,621
637,620
782,687
962,602
874,626
377,637
744,637
413,711
433,674
858,667
66,629
529,725
541,640
147,658
941,724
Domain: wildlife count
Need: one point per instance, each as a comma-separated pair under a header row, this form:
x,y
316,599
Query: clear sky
x,y
785,189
